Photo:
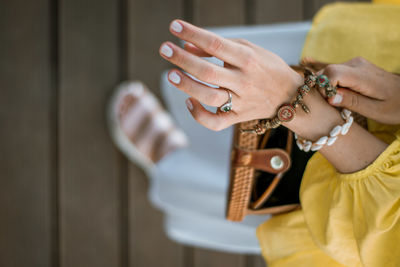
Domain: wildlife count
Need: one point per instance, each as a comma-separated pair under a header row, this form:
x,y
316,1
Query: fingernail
x,y
174,77
166,50
337,99
189,104
176,26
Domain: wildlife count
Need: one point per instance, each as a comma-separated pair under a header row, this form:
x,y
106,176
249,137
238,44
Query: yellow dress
x,y
346,219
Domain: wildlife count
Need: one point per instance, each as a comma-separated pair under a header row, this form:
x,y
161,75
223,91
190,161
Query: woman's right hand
x,y
366,89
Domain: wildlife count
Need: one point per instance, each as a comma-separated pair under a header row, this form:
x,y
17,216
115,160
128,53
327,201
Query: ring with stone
x,y
228,105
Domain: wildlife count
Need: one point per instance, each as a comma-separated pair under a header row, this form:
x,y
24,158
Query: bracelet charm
x,y
286,113
310,79
323,82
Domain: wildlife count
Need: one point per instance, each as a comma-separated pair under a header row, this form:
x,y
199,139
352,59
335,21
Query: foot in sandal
x,y
140,127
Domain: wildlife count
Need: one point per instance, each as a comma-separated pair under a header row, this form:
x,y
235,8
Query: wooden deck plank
x,y
256,261
277,11
209,258
149,246
219,13
89,166
147,28
26,143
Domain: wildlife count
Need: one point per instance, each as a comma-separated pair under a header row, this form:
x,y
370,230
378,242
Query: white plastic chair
x,y
190,185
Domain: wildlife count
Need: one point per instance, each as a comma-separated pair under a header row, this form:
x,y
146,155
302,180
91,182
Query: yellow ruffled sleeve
x,y
355,217
286,242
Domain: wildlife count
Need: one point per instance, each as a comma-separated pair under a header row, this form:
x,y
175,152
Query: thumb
x,y
354,101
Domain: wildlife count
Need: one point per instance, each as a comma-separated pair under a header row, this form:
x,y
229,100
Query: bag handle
x,y
272,160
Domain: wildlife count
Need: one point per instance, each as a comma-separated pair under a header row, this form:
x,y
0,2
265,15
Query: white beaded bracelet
x,y
307,145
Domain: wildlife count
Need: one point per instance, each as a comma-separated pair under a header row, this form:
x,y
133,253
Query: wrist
x,y
319,122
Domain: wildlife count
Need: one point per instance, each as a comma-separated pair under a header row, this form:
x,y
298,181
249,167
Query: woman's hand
x,y
366,89
259,80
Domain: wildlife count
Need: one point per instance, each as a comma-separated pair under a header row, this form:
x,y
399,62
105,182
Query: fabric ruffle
x,y
355,217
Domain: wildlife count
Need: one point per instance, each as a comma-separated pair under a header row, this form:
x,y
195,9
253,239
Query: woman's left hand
x,y
258,80
366,89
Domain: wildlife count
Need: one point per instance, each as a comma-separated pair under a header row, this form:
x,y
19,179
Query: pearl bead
x,y
299,144
345,128
351,119
322,140
345,113
316,147
307,146
335,131
331,140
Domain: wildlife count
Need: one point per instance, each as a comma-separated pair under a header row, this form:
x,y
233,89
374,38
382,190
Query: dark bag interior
x,y
287,191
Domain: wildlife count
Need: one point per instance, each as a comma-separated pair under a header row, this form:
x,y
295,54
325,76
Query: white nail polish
x,y
189,104
337,99
166,50
176,26
174,77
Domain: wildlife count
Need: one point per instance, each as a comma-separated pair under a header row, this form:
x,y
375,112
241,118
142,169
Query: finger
x,y
191,48
201,53
353,101
210,96
341,75
322,92
214,121
211,43
198,67
356,62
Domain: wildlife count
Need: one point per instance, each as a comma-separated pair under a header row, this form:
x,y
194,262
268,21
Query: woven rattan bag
x,y
266,172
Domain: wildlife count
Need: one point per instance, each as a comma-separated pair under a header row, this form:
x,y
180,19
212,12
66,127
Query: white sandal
x,y
140,127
